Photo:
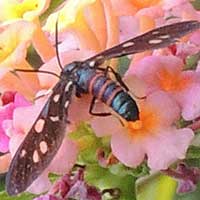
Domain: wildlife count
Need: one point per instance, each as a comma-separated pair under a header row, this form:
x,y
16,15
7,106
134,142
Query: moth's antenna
x,y
56,40
35,70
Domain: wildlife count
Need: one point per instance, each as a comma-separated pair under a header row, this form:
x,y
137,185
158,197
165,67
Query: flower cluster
x,y
164,88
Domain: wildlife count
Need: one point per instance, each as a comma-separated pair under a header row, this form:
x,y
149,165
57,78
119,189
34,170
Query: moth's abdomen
x,y
114,96
125,106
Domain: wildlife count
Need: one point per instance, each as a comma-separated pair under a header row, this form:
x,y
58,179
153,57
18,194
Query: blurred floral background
x,y
100,159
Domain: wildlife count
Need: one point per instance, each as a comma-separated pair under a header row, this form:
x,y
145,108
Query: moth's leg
x,y
92,104
117,76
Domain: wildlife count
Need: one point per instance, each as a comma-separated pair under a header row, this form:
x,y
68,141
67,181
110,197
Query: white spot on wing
x,y
68,86
155,41
56,98
36,157
66,104
128,44
92,63
39,125
54,118
164,36
99,57
155,32
43,147
23,153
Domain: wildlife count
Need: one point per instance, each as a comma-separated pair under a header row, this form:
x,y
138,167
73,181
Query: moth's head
x,y
71,67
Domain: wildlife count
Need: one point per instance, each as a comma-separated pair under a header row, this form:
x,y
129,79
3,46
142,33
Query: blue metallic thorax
x,y
83,78
102,88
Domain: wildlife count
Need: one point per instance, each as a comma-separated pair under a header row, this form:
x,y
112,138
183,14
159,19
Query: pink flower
x,y
181,9
166,73
11,101
154,135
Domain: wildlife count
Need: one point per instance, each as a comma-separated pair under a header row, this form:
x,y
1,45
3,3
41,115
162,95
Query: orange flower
x,y
144,4
131,7
14,41
91,21
5,162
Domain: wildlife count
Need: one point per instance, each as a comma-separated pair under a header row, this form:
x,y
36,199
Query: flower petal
x,y
170,145
128,151
66,155
167,109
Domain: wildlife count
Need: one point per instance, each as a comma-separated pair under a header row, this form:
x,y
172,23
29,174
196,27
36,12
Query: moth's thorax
x,y
69,69
79,72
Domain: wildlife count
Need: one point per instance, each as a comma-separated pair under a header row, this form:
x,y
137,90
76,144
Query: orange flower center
x,y
170,81
144,3
149,121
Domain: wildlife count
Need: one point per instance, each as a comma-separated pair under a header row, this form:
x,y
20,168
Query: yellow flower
x,y
29,10
14,40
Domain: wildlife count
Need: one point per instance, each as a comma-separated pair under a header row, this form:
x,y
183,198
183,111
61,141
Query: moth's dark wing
x,y
42,142
156,38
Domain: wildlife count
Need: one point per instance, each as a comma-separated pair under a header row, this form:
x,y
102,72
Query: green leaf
x,y
157,187
196,4
193,156
104,179
123,65
24,196
121,170
33,57
193,152
192,61
53,177
193,162
88,143
53,5
2,182
160,187
181,123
